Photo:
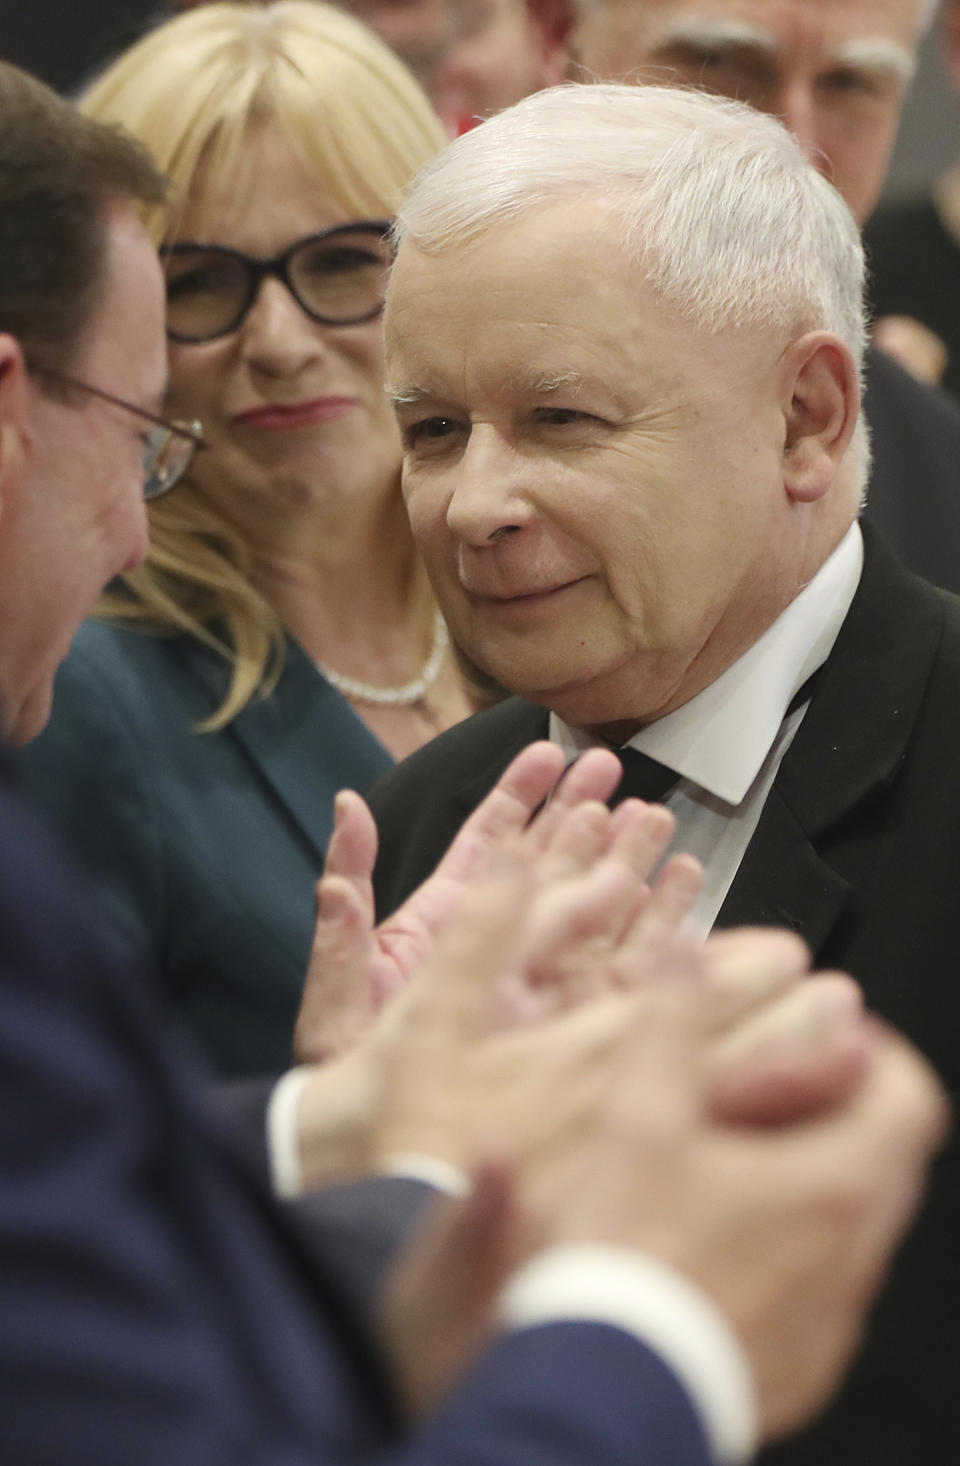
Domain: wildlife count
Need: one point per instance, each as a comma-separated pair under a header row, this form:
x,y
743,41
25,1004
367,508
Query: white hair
x,y
724,215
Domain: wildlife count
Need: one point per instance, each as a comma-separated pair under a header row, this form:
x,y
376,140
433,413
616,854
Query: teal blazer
x,y
209,845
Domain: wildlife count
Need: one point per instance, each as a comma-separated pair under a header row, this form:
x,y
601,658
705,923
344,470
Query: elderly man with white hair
x,y
625,333
155,1304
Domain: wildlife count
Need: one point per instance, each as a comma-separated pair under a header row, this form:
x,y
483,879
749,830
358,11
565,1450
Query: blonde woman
x,y
281,641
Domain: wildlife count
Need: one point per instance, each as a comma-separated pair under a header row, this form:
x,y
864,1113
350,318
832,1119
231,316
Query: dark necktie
x,y
643,778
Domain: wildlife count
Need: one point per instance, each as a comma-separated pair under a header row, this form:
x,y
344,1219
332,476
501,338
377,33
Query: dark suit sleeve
x,y
564,1395
152,1308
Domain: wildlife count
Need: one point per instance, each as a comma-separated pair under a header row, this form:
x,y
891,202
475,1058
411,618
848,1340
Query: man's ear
x,y
821,404
552,21
14,415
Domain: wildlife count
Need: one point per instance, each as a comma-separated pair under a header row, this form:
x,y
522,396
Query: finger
x,y
577,841
904,1093
747,967
505,812
671,898
352,850
878,1147
571,928
459,981
660,1093
337,1003
803,1055
913,1119
640,834
593,776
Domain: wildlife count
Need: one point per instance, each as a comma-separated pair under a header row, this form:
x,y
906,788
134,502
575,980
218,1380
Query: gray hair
x,y
727,219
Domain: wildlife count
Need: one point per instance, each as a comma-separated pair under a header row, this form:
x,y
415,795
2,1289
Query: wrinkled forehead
x,y
879,33
494,320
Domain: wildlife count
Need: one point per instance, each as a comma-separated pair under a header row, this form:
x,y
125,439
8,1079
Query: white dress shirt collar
x,y
720,738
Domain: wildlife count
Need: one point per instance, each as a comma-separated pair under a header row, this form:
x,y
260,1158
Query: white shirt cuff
x,y
283,1147
283,1142
414,1166
661,1308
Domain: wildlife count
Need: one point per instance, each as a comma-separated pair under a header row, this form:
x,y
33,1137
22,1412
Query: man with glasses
x,y
168,446
82,381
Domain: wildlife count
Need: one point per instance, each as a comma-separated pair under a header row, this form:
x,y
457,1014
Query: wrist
x,y
334,1120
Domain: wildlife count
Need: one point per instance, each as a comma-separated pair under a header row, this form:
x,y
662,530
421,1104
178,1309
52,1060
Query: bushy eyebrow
x,y
874,54
543,383
878,55
406,396
537,384
712,33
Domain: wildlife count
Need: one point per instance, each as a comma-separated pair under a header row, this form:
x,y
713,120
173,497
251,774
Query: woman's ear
x,y
821,405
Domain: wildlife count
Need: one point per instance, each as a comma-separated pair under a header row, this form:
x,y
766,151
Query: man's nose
x,y
796,106
489,498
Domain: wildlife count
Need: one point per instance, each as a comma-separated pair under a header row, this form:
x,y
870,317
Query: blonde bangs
x,y
192,91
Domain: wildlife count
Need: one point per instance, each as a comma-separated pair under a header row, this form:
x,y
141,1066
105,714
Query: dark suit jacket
x,y
357,1226
914,494
156,1309
858,849
208,845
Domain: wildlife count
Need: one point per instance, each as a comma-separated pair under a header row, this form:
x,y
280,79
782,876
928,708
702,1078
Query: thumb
x,y
337,1003
440,1296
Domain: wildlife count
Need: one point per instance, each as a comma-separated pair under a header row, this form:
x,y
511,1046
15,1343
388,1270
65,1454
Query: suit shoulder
x,y
459,752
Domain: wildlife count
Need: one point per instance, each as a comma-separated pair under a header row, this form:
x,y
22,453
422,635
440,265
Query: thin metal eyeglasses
x,y
337,277
167,449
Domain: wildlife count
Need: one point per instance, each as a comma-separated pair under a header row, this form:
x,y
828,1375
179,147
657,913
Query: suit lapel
x,y
510,726
783,882
849,748
304,739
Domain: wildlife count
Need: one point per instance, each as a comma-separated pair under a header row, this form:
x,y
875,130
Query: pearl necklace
x,y
410,692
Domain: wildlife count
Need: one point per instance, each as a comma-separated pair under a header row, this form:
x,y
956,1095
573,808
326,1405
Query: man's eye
x,y
428,429
560,417
845,80
710,57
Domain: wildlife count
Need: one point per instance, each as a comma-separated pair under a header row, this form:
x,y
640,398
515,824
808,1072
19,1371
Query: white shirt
x,y
727,743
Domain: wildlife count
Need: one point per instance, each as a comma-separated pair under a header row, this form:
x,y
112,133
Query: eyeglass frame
x,y
174,427
278,267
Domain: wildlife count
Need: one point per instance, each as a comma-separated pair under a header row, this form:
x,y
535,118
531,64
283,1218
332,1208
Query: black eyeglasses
x,y
338,277
167,449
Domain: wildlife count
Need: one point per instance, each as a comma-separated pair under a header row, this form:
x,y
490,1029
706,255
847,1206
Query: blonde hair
x,y
191,90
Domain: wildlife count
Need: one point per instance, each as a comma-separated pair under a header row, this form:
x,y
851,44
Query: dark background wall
x,y
65,40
